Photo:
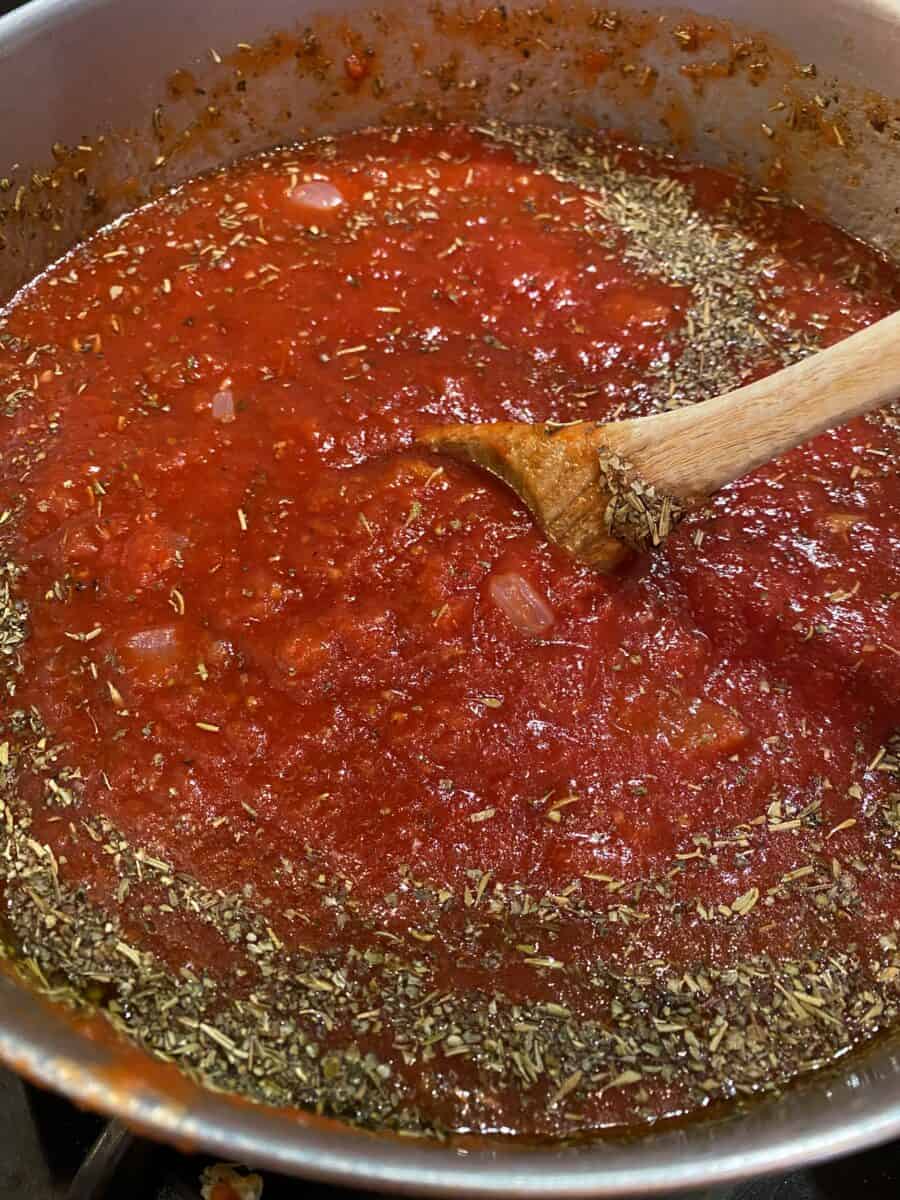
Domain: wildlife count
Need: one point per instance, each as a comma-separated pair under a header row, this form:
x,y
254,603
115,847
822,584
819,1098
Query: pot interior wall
x,y
128,102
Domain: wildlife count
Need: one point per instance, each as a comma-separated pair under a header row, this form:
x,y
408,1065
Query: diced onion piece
x,y
159,639
521,603
153,652
223,406
842,522
318,195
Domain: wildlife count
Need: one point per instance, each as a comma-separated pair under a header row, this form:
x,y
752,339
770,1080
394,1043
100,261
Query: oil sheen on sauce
x,y
322,771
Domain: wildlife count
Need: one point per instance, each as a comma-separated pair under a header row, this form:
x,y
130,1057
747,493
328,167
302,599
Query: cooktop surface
x,y
50,1150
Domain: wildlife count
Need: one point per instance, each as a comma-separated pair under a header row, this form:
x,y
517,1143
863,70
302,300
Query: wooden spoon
x,y
600,491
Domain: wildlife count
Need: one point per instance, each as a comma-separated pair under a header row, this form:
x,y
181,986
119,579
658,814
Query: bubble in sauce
x,y
318,195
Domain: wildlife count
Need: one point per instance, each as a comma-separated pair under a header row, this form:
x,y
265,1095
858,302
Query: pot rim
x,y
808,1124
831,1115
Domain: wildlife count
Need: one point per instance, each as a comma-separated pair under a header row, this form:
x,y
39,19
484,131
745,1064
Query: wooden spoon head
x,y
555,470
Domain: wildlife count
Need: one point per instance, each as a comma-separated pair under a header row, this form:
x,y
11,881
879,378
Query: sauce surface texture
x,y
330,779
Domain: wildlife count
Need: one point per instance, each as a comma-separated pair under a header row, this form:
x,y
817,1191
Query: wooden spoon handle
x,y
697,450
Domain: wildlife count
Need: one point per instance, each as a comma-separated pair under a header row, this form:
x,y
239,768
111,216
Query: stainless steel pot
x,y
93,120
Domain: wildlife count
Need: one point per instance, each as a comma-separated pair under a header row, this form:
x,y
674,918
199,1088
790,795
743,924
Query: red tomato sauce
x,y
277,653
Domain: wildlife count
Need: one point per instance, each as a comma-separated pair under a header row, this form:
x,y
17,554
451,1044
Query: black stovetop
x,y
50,1150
